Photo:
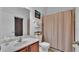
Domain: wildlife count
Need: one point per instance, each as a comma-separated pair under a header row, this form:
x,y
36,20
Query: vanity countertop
x,y
14,46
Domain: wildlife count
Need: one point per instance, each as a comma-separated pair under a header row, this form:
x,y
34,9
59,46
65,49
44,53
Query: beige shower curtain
x,y
58,30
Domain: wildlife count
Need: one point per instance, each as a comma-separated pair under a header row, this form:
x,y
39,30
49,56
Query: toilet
x,y
43,46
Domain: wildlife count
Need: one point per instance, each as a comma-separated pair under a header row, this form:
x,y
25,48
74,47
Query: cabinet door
x,y
34,47
23,50
26,49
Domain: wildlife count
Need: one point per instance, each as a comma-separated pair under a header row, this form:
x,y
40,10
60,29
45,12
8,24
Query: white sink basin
x,y
14,44
20,43
28,39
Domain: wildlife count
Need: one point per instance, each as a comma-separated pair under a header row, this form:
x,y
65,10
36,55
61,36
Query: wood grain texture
x,y
34,47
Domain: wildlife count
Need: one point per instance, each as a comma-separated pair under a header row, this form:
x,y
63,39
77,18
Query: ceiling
x,y
50,10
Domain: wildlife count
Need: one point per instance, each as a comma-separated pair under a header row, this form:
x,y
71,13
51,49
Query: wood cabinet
x,y
24,49
34,47
31,48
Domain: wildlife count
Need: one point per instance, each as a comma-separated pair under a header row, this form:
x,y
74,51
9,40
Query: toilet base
x,y
42,49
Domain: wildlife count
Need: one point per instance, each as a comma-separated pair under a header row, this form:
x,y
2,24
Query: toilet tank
x,y
39,37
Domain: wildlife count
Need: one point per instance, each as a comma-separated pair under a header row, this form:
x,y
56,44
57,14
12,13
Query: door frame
x,y
15,24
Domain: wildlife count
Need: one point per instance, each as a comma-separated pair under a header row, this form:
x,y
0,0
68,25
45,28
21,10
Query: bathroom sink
x,y
14,45
4,46
28,39
20,43
11,46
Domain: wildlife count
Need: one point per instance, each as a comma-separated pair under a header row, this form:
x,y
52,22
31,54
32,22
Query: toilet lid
x,y
44,44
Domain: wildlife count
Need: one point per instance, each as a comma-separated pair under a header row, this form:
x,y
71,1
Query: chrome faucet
x,y
20,39
0,47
